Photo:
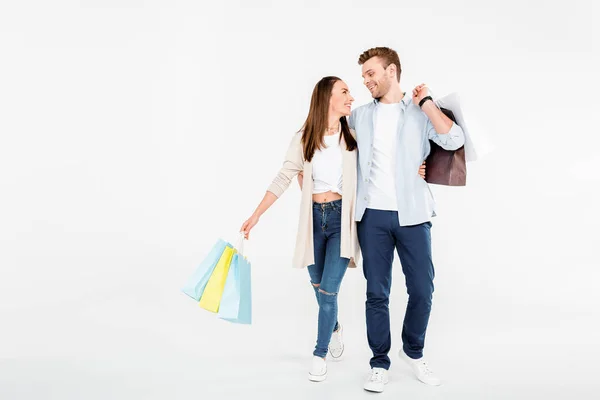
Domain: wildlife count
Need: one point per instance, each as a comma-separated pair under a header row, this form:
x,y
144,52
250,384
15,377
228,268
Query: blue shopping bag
x,y
236,302
195,285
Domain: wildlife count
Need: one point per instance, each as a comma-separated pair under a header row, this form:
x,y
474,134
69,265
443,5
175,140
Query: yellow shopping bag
x,y
211,298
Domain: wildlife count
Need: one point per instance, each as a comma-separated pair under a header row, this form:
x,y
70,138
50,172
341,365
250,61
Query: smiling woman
x,y
324,150
330,103
321,136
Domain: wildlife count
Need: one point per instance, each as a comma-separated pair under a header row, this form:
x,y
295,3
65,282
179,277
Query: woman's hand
x,y
422,170
248,225
300,179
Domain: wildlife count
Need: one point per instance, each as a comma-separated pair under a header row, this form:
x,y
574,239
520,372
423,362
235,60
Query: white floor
x,y
144,340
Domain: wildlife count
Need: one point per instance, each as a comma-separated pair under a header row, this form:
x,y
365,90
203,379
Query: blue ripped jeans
x,y
328,270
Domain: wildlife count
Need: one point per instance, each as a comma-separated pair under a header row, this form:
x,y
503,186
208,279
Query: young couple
x,y
363,195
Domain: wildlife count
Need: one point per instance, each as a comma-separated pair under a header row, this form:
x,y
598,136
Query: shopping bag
x,y
245,313
195,285
477,143
211,298
236,302
446,167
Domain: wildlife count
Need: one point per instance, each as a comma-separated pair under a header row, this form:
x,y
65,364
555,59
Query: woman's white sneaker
x,y
318,370
376,380
421,369
336,345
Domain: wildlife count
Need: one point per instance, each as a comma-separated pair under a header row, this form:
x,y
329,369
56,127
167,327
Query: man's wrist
x,y
424,100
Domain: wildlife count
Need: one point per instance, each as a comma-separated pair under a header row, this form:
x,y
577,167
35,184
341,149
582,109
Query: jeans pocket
x,y
337,209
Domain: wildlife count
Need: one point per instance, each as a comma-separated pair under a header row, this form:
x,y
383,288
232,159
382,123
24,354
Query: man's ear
x,y
393,71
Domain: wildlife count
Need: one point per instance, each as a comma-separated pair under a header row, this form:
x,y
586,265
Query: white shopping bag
x,y
476,144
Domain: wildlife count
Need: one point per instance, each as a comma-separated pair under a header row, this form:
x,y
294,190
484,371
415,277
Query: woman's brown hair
x,y
317,120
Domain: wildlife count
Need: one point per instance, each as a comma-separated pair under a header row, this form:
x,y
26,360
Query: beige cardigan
x,y
304,254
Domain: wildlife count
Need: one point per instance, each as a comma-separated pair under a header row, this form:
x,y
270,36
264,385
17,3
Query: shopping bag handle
x,y
240,244
430,93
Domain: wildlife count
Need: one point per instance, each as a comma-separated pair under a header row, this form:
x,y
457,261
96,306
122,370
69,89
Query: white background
x,y
136,133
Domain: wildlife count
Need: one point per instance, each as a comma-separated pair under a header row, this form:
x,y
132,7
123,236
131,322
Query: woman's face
x,y
340,101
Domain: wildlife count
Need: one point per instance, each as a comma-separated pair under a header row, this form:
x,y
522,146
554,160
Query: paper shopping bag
x,y
236,302
446,167
195,285
211,298
476,142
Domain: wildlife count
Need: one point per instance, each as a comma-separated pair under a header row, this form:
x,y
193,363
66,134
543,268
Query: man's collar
x,y
405,100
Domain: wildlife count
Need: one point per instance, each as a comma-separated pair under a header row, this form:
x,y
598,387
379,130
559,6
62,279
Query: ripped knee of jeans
x,y
321,291
316,284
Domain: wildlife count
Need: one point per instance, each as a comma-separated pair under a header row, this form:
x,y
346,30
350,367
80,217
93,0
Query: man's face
x,y
377,78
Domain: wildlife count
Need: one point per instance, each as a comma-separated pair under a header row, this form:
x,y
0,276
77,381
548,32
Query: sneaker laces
x,y
424,368
376,376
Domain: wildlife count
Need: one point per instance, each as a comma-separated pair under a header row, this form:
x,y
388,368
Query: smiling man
x,y
395,206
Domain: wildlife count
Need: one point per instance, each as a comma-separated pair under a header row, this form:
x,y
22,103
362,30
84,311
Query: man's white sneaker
x,y
377,379
318,370
421,370
336,345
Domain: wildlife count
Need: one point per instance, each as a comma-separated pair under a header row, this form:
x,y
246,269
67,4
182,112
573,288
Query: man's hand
x,y
422,170
419,92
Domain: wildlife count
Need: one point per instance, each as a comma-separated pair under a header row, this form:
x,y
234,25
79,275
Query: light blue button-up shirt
x,y
415,200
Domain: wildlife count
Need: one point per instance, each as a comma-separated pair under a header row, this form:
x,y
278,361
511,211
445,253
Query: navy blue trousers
x,y
379,234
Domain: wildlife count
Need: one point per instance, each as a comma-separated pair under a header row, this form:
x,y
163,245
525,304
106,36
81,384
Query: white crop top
x,y
327,166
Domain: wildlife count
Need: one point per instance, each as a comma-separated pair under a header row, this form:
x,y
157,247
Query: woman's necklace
x,y
333,130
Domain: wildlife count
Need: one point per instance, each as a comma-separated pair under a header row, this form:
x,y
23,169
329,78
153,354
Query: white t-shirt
x,y
382,183
327,166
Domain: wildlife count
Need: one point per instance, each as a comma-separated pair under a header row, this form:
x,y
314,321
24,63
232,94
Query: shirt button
x,y
369,163
366,179
366,198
